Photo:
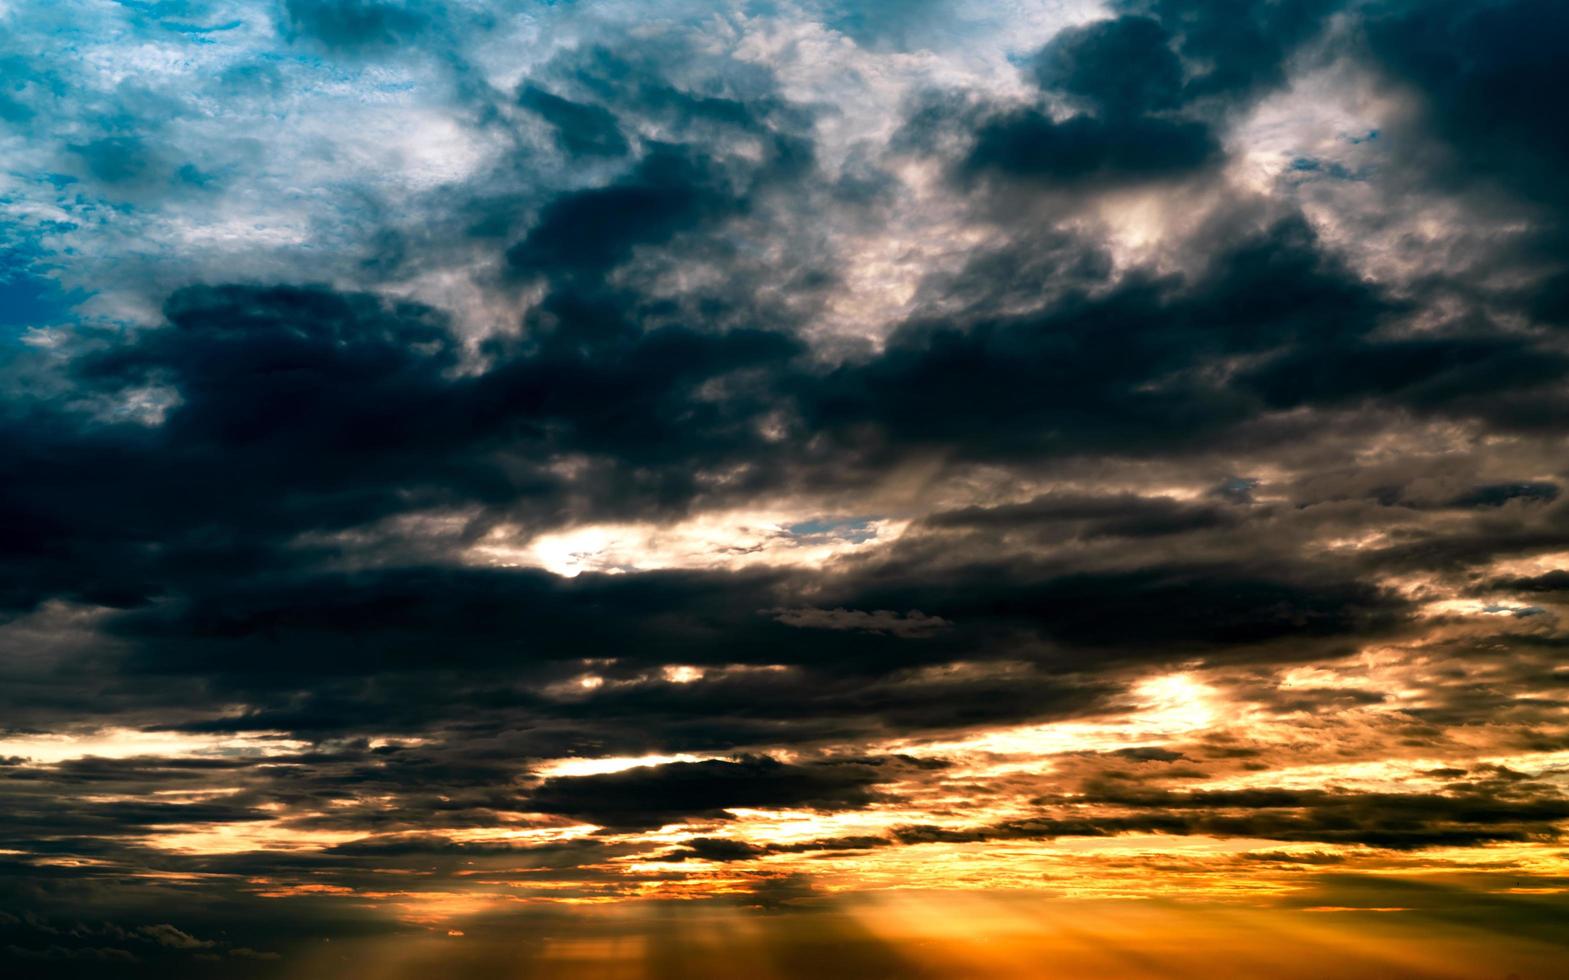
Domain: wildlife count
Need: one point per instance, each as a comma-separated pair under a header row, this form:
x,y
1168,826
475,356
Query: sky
x,y
905,488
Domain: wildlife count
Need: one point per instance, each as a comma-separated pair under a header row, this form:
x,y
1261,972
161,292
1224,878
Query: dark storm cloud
x,y
1149,90
722,849
1382,820
651,796
1237,52
1123,515
1511,383
365,413
358,410
282,371
302,410
1083,63
1390,820
1498,494
271,382
1477,130
1126,370
451,618
1030,145
592,230
1477,70
1121,72
350,406
1554,581
1179,607
581,129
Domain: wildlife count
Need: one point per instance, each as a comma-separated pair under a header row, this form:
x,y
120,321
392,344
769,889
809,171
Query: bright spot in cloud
x,y
728,540
125,743
682,674
1170,706
609,764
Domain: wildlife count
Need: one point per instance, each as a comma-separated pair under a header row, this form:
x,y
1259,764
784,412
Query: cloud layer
x,y
462,464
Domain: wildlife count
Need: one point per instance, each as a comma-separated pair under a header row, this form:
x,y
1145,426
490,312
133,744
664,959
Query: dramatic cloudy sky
x,y
784,488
